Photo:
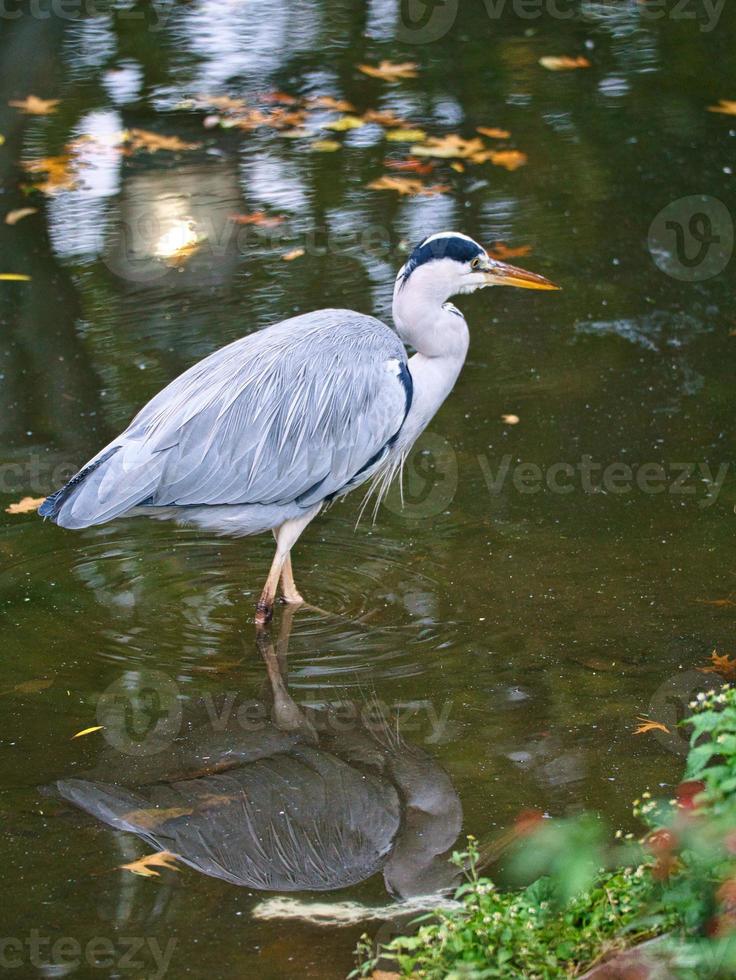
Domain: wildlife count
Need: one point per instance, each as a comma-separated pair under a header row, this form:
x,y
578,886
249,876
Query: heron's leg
x,y
286,537
289,591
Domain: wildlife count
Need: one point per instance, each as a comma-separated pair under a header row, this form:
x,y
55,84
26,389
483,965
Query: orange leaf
x,y
13,217
493,133
563,63
327,102
720,664
411,166
726,107
33,106
502,252
258,218
447,147
57,171
294,254
509,159
387,71
142,139
647,725
510,419
405,185
385,118
145,866
25,506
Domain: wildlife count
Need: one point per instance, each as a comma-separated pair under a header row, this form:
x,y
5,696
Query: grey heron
x,y
262,433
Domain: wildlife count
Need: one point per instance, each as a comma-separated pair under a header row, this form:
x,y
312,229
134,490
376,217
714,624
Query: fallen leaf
x,y
58,176
326,146
721,664
145,866
405,135
725,106
384,118
496,134
718,602
30,687
406,185
647,725
387,71
411,166
27,504
88,731
143,139
344,123
510,419
279,97
224,102
502,252
258,218
509,159
294,254
13,217
447,147
563,63
327,102
14,277
457,167
154,817
33,106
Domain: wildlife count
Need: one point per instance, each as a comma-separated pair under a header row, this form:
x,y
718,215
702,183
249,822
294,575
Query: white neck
x,y
440,336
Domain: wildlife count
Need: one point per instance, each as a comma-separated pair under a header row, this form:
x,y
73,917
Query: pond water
x,y
547,581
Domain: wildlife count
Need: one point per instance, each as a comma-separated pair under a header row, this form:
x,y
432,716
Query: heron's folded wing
x,y
291,413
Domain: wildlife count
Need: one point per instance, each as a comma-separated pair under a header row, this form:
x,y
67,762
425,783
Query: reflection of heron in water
x,y
300,804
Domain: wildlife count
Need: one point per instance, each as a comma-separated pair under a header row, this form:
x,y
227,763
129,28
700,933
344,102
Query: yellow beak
x,y
501,274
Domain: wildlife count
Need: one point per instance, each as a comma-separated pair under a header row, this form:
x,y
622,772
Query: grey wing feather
x,y
292,413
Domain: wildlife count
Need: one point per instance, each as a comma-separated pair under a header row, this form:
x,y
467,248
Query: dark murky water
x,y
517,630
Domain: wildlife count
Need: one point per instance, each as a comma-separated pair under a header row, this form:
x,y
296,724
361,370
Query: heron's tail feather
x,y
111,484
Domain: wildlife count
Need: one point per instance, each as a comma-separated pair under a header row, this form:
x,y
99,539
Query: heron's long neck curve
x,y
440,336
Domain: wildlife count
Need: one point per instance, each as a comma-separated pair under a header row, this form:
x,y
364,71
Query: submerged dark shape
x,y
300,804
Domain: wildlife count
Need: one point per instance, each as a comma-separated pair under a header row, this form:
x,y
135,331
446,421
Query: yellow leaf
x,y
294,254
405,135
142,139
223,102
88,731
563,63
344,123
57,171
145,866
13,217
720,664
647,725
326,146
447,147
27,504
508,159
15,277
725,106
510,419
33,106
406,185
387,71
457,167
493,133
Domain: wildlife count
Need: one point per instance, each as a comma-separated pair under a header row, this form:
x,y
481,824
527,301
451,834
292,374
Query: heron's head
x,y
449,264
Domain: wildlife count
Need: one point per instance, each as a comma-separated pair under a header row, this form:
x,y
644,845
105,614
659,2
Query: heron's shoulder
x,y
337,328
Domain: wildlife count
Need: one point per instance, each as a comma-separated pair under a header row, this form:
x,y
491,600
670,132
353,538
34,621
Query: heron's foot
x,y
264,611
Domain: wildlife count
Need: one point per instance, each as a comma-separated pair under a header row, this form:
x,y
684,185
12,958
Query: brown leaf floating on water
x,y
146,865
143,139
389,71
13,217
563,63
726,107
493,133
721,664
406,185
410,166
295,253
502,252
647,725
33,106
258,218
25,506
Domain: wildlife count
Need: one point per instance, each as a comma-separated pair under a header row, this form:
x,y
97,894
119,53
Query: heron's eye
x,y
475,264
